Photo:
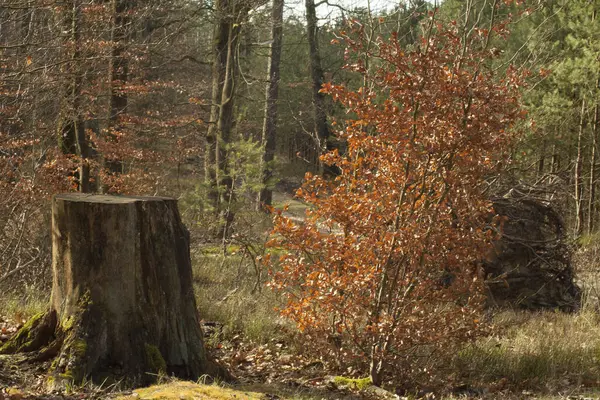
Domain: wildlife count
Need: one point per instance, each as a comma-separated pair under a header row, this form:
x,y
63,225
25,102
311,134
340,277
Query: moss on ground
x,y
190,390
357,384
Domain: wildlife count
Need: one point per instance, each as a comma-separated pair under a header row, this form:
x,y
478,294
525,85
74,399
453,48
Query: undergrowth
x,y
229,293
20,306
545,351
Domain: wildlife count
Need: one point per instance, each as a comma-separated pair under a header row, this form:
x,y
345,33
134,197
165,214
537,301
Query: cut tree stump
x,y
122,303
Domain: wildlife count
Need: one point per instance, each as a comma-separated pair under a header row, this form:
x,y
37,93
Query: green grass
x,y
22,306
545,351
589,240
228,291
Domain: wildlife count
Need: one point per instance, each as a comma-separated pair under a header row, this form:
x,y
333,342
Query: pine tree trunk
x,y
270,123
591,212
122,303
542,159
579,214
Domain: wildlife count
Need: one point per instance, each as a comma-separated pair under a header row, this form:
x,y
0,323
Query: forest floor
x,y
546,356
543,355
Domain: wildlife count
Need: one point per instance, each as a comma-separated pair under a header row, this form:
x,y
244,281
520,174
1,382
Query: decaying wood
x,y
530,266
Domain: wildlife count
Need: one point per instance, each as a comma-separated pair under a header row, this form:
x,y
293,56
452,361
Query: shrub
x,y
385,261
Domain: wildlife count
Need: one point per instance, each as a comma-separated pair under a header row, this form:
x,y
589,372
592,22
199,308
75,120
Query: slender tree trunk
x,y
83,148
579,213
592,183
269,132
591,211
542,159
555,155
555,160
554,165
225,128
219,70
118,77
226,38
71,127
316,72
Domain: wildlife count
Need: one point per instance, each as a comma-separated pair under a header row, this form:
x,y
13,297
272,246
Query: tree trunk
x,y
83,147
122,303
226,38
579,217
591,209
591,212
219,70
554,168
225,127
316,72
118,71
270,123
71,127
542,159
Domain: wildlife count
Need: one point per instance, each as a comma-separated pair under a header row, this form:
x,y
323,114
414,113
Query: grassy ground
x,y
230,284
20,306
545,355
231,292
542,352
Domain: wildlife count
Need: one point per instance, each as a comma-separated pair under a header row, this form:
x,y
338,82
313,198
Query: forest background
x,y
219,104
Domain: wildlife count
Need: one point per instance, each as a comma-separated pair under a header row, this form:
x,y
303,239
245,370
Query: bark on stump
x,y
122,302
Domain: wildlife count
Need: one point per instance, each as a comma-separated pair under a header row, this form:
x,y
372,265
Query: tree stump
x,y
122,302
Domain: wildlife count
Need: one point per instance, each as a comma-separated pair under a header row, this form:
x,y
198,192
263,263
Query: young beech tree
x,y
386,258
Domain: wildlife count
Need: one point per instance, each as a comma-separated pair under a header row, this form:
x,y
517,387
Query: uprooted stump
x,y
530,267
122,303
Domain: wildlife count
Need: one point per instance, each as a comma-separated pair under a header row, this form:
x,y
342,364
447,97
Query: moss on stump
x,y
36,333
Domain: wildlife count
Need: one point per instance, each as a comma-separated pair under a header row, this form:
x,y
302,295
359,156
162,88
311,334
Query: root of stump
x,y
77,347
